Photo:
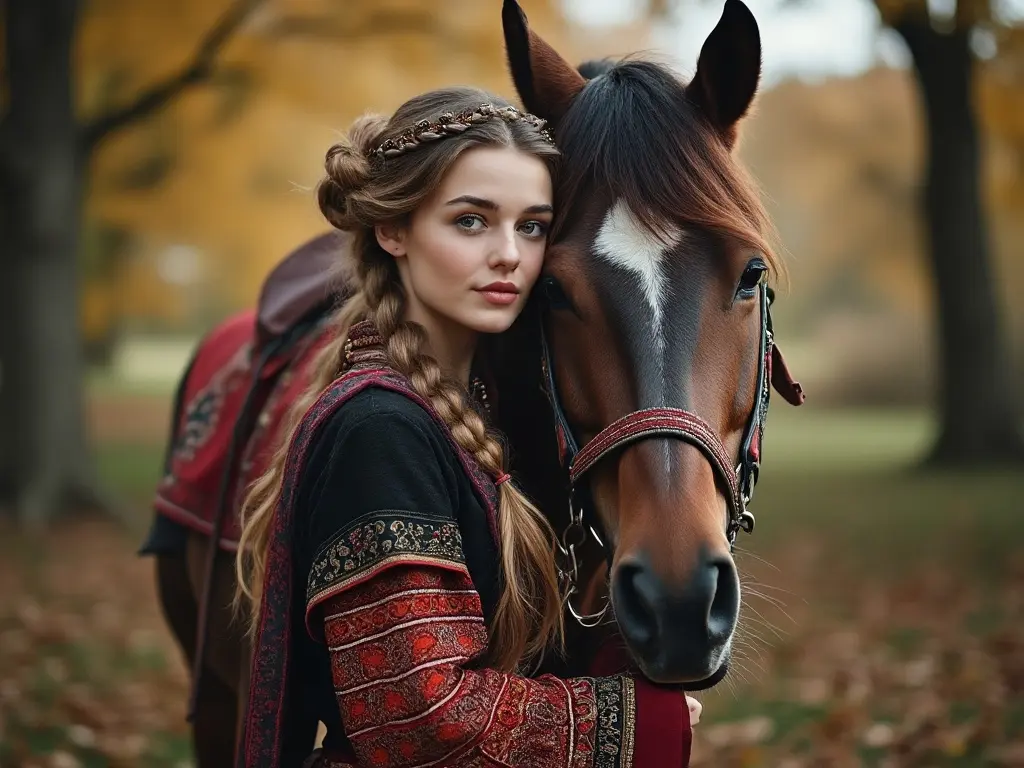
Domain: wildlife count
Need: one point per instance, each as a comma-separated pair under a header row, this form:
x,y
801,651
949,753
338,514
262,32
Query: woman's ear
x,y
391,237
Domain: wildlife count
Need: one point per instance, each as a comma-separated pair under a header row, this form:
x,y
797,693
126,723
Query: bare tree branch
x,y
155,97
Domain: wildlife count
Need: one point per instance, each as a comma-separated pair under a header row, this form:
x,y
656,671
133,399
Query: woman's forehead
x,y
508,177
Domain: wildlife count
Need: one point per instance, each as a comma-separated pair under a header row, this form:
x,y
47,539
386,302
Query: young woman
x,y
400,585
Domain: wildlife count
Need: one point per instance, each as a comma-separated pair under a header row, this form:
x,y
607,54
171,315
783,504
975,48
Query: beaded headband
x,y
451,124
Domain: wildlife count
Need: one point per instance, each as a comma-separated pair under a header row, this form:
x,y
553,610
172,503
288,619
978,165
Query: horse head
x,y
656,336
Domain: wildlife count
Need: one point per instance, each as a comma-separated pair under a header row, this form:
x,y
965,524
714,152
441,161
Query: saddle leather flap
x,y
302,281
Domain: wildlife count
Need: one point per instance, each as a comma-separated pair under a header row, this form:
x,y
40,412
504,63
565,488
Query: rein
x,y
677,423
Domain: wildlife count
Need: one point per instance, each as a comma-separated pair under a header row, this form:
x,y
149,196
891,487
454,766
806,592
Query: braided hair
x,y
373,176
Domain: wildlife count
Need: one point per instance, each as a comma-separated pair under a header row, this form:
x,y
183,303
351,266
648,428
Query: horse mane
x,y
633,131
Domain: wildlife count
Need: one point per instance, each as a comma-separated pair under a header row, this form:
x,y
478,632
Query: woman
x,y
399,583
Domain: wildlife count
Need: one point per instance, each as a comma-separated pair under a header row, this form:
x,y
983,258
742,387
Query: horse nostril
x,y
677,631
724,608
637,602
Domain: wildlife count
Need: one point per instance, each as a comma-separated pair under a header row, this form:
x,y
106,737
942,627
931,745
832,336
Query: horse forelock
x,y
633,134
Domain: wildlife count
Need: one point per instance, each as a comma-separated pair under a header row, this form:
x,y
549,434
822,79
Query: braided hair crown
x,y
451,124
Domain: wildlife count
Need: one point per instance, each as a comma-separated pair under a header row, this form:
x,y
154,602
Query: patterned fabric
x,y
216,385
266,727
379,541
220,380
405,644
399,647
289,386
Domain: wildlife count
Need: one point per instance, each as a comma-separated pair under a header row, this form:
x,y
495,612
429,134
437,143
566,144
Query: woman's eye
x,y
470,221
534,229
751,279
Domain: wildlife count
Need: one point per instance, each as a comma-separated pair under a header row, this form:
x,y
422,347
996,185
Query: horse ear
x,y
728,69
545,81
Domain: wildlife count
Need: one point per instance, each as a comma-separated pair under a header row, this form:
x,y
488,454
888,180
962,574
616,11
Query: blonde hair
x,y
354,198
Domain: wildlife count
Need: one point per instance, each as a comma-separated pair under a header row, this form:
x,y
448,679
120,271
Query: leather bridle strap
x,y
736,476
666,422
663,421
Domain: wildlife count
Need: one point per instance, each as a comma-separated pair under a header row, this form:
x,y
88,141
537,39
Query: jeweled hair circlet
x,y
451,124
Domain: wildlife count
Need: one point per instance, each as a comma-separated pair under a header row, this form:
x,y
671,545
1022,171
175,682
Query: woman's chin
x,y
494,320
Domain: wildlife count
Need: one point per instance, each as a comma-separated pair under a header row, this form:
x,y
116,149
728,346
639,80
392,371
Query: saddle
x,y
298,285
238,384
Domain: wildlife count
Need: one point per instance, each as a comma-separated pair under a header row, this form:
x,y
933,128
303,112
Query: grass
x,y
132,470
890,593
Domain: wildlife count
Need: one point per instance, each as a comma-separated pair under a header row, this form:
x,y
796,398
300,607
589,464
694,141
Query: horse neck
x,y
524,417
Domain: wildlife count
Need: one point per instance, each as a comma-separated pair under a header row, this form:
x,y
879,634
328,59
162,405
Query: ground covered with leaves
x,y
89,675
883,619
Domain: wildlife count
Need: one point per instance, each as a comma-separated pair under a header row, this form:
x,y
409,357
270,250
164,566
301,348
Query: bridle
x,y
678,423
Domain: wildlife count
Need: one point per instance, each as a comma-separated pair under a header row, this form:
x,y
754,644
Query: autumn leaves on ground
x,y
884,614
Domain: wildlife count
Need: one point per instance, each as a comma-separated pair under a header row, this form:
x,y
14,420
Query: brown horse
x,y
658,331
634,386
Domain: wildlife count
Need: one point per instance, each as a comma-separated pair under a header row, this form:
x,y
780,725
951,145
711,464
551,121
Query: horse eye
x,y
752,277
554,293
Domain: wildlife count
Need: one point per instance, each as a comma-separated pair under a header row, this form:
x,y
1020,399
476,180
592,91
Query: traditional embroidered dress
x,y
383,572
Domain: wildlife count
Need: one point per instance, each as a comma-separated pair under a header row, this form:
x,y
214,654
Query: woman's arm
x,y
400,647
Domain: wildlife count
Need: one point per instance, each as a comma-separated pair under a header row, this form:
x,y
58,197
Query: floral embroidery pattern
x,y
202,413
615,713
289,385
263,737
371,543
399,647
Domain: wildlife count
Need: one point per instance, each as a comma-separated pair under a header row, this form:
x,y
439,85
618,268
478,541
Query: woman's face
x,y
471,253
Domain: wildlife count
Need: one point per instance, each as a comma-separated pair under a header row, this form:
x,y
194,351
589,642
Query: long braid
x,y
520,632
354,198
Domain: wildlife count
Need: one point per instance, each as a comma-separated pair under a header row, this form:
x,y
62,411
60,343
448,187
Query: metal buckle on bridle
x,y
746,520
574,535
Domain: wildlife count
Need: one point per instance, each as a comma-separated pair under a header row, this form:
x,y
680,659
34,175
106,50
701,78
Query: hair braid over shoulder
x,y
355,197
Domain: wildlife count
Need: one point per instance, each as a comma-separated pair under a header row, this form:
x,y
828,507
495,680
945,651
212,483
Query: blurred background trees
x,y
978,406
46,152
170,177
976,382
91,129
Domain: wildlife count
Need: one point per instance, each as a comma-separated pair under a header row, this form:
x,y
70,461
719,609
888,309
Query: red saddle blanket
x,y
236,392
232,403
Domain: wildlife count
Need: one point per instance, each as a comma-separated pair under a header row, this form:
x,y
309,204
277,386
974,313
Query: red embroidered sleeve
x,y
400,644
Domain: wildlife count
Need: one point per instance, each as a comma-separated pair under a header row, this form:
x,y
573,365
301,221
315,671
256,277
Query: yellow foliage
x,y
228,168
841,163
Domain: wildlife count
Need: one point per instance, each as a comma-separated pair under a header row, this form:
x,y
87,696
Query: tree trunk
x,y
978,415
45,458
44,157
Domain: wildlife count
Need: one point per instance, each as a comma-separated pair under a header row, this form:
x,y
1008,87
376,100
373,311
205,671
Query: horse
x,y
657,345
632,390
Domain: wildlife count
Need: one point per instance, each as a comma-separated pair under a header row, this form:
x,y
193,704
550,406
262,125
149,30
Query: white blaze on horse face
x,y
624,242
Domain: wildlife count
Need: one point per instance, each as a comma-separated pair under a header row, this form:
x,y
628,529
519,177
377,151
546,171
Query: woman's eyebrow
x,y
479,202
490,205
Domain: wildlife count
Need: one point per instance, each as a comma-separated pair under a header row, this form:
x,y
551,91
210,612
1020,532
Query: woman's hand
x,y
695,709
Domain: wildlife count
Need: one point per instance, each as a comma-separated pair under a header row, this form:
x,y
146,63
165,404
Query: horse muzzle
x,y
678,634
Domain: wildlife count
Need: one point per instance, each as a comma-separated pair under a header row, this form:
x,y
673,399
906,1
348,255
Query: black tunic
x,y
380,452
